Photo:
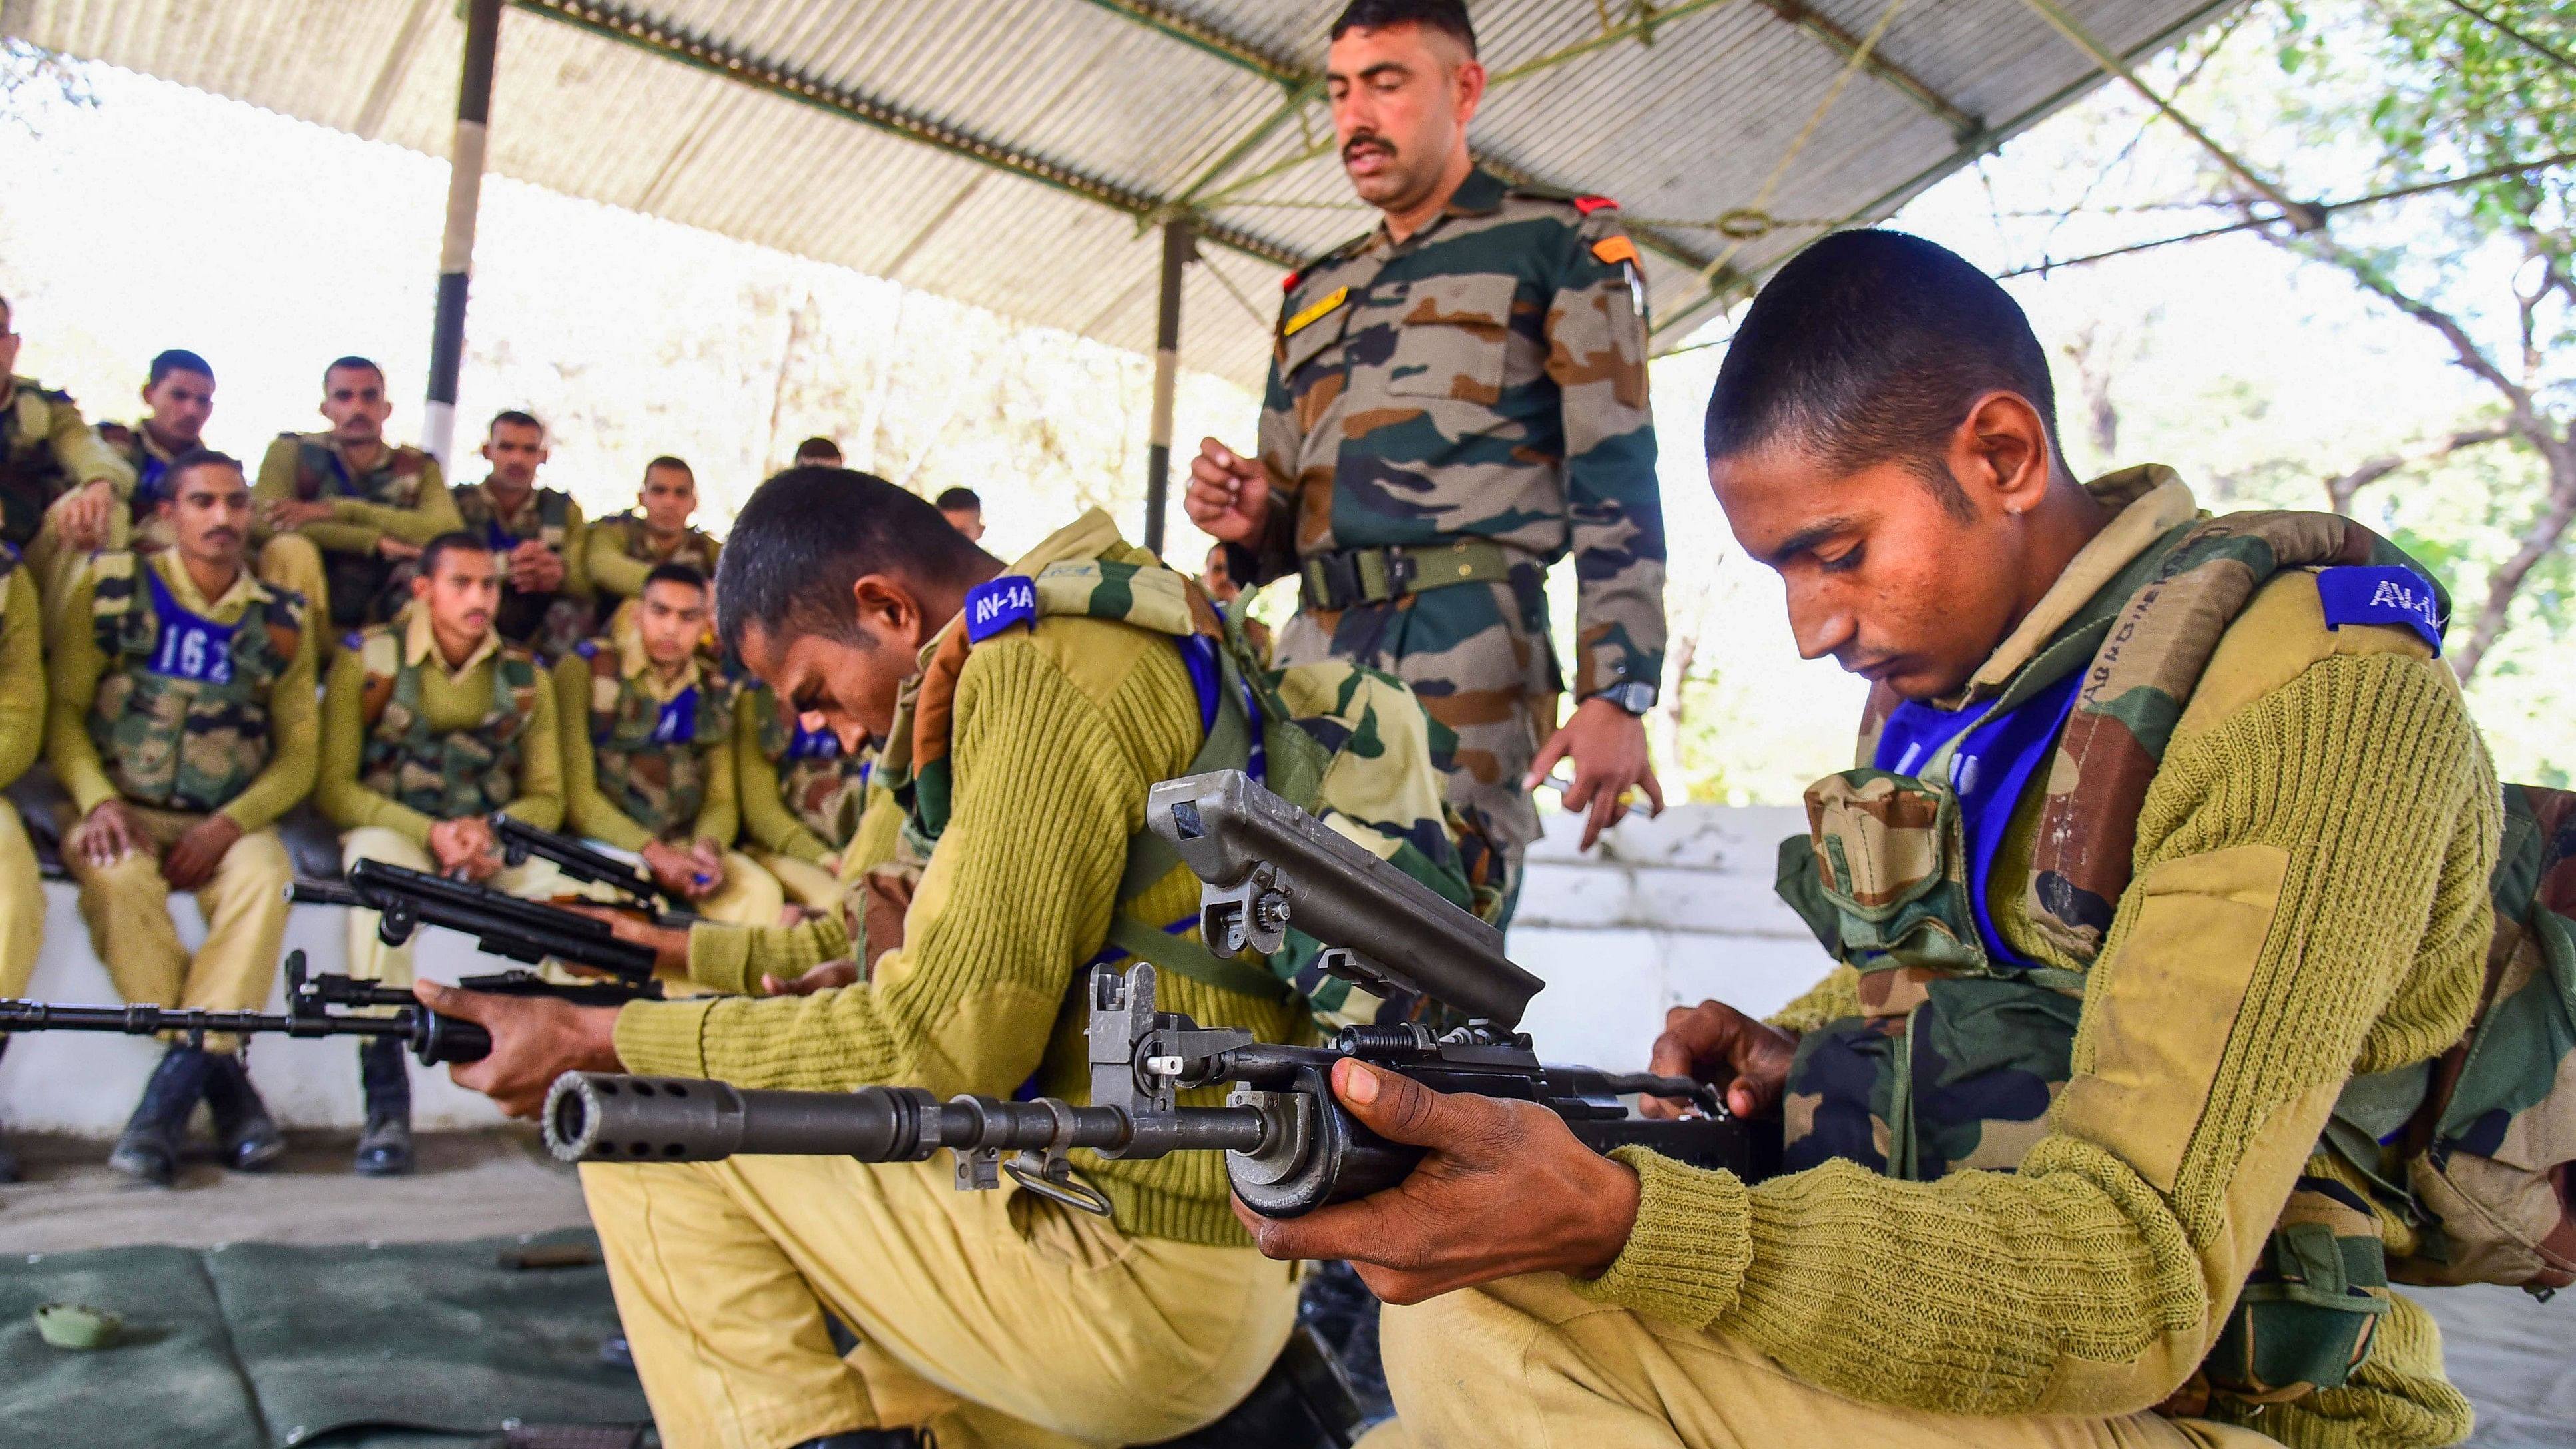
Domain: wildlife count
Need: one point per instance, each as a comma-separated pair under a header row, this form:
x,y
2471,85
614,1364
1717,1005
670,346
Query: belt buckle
x,y
1401,570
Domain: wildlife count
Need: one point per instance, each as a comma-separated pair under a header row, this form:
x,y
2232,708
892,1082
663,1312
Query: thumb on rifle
x,y
1400,1109
450,1000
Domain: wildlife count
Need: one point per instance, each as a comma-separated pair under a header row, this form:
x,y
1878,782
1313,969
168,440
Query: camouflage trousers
x,y
1479,658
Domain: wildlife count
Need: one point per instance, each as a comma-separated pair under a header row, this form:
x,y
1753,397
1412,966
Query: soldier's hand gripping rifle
x,y
501,924
636,889
432,1037
1291,1146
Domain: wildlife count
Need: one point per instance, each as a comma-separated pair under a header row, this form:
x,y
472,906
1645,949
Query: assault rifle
x,y
1291,1147
309,1001
636,889
501,924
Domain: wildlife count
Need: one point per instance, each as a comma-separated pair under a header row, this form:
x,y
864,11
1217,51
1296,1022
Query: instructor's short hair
x,y
352,363
1447,16
516,418
455,540
809,534
1869,347
959,500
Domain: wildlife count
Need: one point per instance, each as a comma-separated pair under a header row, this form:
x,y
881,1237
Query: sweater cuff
x,y
662,1038
720,959
1686,1257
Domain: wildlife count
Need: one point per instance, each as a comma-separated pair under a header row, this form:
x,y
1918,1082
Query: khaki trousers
x,y
127,906
801,881
22,904
1526,1362
994,1318
57,565
750,895
370,959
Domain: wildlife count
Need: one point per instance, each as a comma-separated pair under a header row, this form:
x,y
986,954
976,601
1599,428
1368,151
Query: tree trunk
x,y
2543,535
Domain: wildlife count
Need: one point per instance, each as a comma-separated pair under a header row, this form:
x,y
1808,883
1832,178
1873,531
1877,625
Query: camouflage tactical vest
x,y
695,549
364,587
553,509
1348,744
824,786
651,756
31,477
444,776
1963,1043
181,714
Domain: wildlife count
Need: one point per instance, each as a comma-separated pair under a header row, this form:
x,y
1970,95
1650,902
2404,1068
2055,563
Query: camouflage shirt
x,y
1486,378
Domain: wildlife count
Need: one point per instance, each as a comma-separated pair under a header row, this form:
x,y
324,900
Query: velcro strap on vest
x,y
1348,577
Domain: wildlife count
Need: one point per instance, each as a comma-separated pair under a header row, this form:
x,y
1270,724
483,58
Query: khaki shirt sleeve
x,y
73,670
336,790
718,819
766,820
295,736
85,456
585,809
604,559
541,765
23,714
576,555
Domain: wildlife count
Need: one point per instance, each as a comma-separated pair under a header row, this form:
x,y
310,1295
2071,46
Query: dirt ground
x,y
2509,1353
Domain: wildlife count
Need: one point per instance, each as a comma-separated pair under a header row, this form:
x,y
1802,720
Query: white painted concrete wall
x,y
87,1083
1660,913
1663,911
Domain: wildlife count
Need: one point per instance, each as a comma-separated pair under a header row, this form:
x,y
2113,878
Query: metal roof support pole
x,y
456,248
1179,250
2301,215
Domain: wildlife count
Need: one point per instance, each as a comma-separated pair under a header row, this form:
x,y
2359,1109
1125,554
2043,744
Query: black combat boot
x,y
1302,1403
250,1138
8,1159
384,1149
149,1146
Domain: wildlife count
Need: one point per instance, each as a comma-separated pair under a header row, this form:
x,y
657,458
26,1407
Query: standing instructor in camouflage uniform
x,y
1457,400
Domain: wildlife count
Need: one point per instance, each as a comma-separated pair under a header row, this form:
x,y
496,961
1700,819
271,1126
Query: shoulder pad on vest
x,y
587,649
113,590
9,557
518,658
2281,632
379,650
409,461
54,395
116,435
113,564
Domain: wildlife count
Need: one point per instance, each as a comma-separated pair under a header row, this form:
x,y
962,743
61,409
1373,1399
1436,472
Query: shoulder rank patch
x,y
1590,204
2381,594
1316,311
1612,250
996,605
1289,282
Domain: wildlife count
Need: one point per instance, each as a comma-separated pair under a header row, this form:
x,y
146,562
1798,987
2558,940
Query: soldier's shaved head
x,y
1871,347
830,584
1883,436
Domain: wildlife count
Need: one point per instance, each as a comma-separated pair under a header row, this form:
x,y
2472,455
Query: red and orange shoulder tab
x,y
1590,204
1289,282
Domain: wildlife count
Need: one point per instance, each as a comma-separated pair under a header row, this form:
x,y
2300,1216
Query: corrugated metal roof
x,y
795,123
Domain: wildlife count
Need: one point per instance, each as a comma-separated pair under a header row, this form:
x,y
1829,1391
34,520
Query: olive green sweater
x,y
1057,736
2310,903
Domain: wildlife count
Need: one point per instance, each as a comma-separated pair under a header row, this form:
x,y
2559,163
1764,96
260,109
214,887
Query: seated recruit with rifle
x,y
1051,699
430,725
2171,864
182,725
649,756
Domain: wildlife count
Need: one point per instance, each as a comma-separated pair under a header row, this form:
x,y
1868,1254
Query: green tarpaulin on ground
x,y
268,1345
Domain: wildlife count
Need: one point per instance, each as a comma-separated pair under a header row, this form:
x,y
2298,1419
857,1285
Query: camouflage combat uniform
x,y
619,553
550,623
1445,417
655,752
403,495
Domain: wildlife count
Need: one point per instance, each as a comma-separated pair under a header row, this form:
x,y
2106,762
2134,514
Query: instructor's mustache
x,y
1366,141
